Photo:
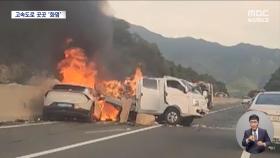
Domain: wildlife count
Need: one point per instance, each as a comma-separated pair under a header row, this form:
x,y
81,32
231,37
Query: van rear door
x,y
148,96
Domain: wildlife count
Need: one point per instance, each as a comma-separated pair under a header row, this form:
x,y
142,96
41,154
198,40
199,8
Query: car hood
x,y
267,108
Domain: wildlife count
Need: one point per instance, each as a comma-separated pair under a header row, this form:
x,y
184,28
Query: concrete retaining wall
x,y
21,102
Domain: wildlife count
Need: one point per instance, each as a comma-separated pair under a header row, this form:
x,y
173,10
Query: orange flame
x,y
115,88
133,81
112,88
75,68
108,111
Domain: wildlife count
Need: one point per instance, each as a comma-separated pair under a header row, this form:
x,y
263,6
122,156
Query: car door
x,y
176,95
148,96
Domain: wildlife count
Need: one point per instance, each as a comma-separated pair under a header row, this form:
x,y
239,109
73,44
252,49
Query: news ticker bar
x,y
38,14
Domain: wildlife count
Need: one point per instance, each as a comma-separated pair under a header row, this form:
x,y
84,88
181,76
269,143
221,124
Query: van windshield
x,y
186,84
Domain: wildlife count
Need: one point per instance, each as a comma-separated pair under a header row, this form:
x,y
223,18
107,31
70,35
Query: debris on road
x,y
126,106
145,119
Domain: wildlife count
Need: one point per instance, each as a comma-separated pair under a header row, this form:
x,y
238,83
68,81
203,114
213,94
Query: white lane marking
x,y
211,127
224,109
26,125
245,154
46,152
107,130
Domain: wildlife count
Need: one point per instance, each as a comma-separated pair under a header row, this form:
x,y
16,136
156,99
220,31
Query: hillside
x,y
131,50
274,83
242,67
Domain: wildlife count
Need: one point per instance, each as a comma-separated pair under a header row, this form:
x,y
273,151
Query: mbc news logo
x,y
258,15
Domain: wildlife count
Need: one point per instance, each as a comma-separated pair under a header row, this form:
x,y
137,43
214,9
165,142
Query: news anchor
x,y
255,139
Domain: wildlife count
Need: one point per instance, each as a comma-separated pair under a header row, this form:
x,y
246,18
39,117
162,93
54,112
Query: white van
x,y
172,99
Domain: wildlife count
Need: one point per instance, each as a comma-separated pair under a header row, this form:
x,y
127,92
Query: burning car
x,y
175,99
65,100
83,94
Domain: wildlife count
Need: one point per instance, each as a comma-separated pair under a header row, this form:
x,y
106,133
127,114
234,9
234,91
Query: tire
x,y
187,121
172,116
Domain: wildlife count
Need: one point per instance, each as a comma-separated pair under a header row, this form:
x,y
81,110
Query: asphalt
x,y
210,137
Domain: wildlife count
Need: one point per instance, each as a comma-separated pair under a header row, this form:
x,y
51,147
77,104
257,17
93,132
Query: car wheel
x,y
172,116
187,121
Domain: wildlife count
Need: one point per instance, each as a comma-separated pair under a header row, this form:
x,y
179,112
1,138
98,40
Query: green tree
x,y
274,83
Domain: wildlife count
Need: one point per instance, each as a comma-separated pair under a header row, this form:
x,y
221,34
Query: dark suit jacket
x,y
252,146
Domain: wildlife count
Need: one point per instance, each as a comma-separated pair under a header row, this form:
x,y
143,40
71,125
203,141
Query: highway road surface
x,y
209,137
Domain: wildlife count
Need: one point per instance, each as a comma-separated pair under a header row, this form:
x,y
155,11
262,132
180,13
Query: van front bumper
x,y
196,112
202,112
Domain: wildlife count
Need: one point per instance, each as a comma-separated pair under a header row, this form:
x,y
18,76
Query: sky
x,y
225,22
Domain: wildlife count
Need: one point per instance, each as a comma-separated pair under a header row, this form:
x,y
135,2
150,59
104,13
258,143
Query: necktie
x,y
255,135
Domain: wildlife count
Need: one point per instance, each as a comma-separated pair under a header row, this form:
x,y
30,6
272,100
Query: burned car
x,y
65,100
